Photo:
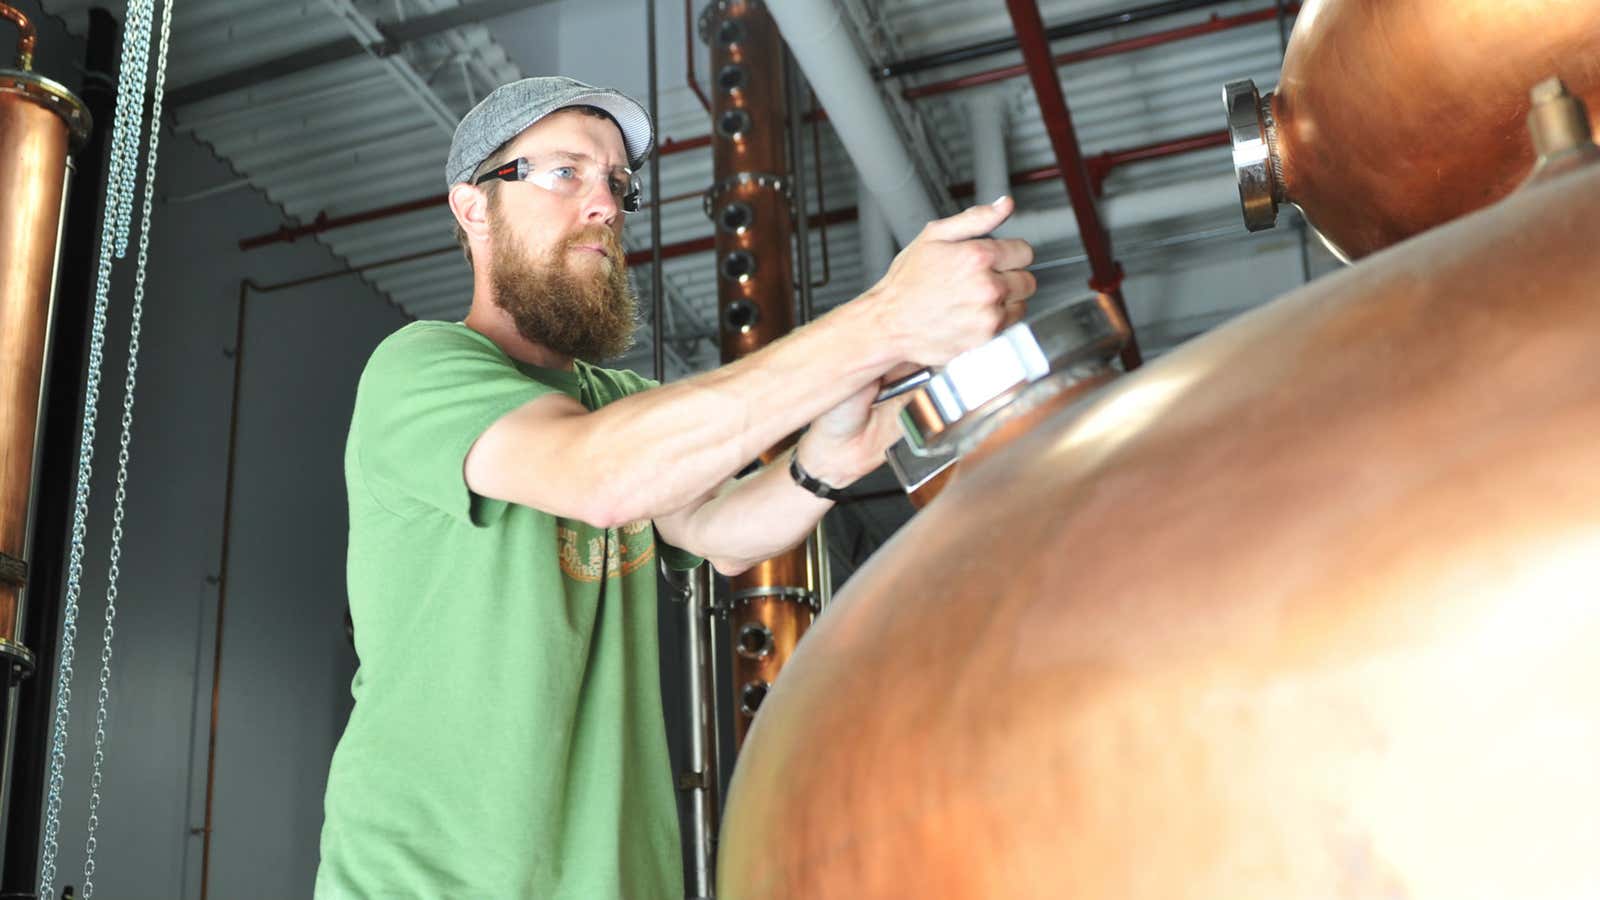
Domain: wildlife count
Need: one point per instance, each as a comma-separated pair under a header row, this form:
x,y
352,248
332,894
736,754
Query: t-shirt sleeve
x,y
624,382
424,399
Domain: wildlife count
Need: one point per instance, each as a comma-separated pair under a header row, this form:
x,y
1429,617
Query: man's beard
x,y
589,315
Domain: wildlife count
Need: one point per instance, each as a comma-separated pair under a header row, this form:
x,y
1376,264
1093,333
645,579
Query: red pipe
x,y
670,146
1101,164
1105,275
1099,51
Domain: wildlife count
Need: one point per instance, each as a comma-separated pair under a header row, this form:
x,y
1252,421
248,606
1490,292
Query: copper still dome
x,y
1305,608
1394,116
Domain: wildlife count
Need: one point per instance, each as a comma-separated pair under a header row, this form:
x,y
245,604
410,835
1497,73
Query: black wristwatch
x,y
810,482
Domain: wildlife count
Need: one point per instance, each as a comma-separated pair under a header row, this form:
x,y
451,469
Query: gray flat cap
x,y
511,108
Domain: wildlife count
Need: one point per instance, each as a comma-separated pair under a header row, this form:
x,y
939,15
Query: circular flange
x,y
764,180
53,96
754,641
1250,130
19,658
801,596
736,217
751,695
715,12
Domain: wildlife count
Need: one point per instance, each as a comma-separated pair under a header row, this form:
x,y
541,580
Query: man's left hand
x,y
848,441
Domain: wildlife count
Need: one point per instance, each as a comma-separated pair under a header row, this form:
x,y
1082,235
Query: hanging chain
x,y
121,183
98,775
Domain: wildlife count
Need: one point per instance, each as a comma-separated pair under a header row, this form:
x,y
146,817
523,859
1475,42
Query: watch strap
x,y
810,482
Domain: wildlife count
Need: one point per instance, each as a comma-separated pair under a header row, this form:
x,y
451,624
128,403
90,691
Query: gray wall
x,y
286,666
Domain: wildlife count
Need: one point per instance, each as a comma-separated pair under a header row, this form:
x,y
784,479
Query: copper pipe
x,y
1105,273
222,585
1100,51
225,553
27,38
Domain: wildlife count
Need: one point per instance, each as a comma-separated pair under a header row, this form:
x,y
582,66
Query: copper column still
x,y
1305,608
771,605
1394,116
40,121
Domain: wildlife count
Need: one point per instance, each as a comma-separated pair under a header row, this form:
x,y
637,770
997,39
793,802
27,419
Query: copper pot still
x,y
1306,608
40,122
1395,116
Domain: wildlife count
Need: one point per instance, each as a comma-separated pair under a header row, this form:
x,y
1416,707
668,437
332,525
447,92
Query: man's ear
x,y
471,209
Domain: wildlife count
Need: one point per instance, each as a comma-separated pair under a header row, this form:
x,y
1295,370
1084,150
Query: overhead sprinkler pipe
x,y
1064,30
1212,25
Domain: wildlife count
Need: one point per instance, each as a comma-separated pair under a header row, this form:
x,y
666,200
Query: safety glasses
x,y
570,175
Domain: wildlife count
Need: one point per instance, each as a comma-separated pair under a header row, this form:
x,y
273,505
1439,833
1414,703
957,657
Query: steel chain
x,y
121,183
98,774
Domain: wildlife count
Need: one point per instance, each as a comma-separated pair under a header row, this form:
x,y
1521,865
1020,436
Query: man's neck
x,y
495,324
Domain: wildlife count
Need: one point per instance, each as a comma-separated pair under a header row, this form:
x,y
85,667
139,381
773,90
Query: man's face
x,y
557,265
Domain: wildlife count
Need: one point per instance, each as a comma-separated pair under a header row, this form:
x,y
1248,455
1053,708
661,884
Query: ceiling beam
x,y
394,36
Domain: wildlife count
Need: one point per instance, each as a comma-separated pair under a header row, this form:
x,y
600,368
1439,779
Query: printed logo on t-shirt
x,y
586,551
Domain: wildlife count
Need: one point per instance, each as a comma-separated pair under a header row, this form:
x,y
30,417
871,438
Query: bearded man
x,y
509,498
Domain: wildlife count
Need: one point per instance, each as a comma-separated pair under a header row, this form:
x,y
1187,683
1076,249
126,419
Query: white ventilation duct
x,y
1171,201
877,239
991,172
819,37
820,40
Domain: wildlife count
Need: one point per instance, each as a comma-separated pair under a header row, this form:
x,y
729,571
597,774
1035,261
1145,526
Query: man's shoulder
x,y
425,336
614,384
421,342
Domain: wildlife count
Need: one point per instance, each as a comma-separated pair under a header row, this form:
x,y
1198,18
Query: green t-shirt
x,y
507,738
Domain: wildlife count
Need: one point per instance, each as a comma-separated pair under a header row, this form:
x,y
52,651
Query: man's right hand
x,y
953,288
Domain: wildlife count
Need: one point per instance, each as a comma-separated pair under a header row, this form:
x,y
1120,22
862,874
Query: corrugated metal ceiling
x,y
369,131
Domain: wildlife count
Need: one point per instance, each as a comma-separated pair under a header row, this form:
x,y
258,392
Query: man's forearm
x,y
686,436
755,518
659,451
